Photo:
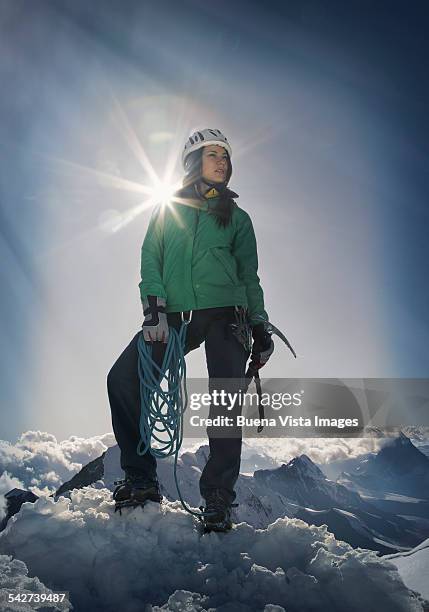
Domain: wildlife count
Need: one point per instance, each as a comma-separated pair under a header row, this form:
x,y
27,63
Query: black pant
x,y
226,359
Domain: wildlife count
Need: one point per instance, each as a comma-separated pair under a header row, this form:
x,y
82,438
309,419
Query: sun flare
x,y
162,192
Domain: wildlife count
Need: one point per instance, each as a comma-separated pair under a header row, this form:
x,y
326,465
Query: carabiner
x,y
186,321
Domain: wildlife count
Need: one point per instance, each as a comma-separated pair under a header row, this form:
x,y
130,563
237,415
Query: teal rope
x,y
162,410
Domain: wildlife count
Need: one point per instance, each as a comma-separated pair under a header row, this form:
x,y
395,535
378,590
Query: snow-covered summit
x,y
398,467
149,556
304,467
302,482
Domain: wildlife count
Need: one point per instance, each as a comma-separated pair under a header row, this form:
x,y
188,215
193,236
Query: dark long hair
x,y
193,174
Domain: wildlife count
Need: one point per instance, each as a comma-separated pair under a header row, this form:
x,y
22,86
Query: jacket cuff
x,y
256,320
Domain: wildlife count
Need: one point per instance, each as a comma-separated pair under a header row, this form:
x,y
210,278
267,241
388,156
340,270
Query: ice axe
x,y
254,366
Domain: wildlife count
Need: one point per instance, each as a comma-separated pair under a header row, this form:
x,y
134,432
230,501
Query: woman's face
x,y
215,163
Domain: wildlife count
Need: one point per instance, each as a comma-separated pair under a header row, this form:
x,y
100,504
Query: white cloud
x,y
109,562
324,450
7,483
42,463
320,450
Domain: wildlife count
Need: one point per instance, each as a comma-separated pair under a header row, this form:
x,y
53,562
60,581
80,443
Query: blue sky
x,y
325,108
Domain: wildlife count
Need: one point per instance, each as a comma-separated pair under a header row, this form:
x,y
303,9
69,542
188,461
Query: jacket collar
x,y
191,193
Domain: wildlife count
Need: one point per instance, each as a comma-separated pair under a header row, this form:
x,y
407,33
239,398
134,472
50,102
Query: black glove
x,y
155,324
263,346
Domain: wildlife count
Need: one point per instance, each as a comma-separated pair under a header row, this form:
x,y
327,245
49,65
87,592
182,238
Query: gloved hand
x,y
155,325
263,346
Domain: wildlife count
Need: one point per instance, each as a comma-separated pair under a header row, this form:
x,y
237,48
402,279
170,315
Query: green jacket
x,y
193,263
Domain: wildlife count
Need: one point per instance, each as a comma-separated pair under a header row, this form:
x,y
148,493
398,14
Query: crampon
x,y
131,493
217,513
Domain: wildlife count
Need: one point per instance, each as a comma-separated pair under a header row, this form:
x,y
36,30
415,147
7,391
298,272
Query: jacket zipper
x,y
192,257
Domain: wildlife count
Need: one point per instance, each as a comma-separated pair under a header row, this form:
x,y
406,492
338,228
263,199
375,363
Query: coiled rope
x,y
162,410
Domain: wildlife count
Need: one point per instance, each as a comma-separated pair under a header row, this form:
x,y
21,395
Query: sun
x,y
162,192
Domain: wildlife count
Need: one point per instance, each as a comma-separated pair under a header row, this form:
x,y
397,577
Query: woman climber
x,y
199,262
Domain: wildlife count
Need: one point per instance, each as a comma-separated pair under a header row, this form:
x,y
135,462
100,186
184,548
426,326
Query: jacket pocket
x,y
226,259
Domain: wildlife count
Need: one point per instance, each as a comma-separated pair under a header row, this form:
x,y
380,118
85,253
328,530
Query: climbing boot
x,y
135,491
217,512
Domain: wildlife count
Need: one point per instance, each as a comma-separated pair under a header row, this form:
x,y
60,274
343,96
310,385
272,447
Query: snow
x,y
346,513
400,498
185,601
157,556
413,567
257,503
387,544
14,577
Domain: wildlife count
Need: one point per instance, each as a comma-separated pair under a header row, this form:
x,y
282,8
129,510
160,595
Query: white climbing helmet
x,y
202,138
